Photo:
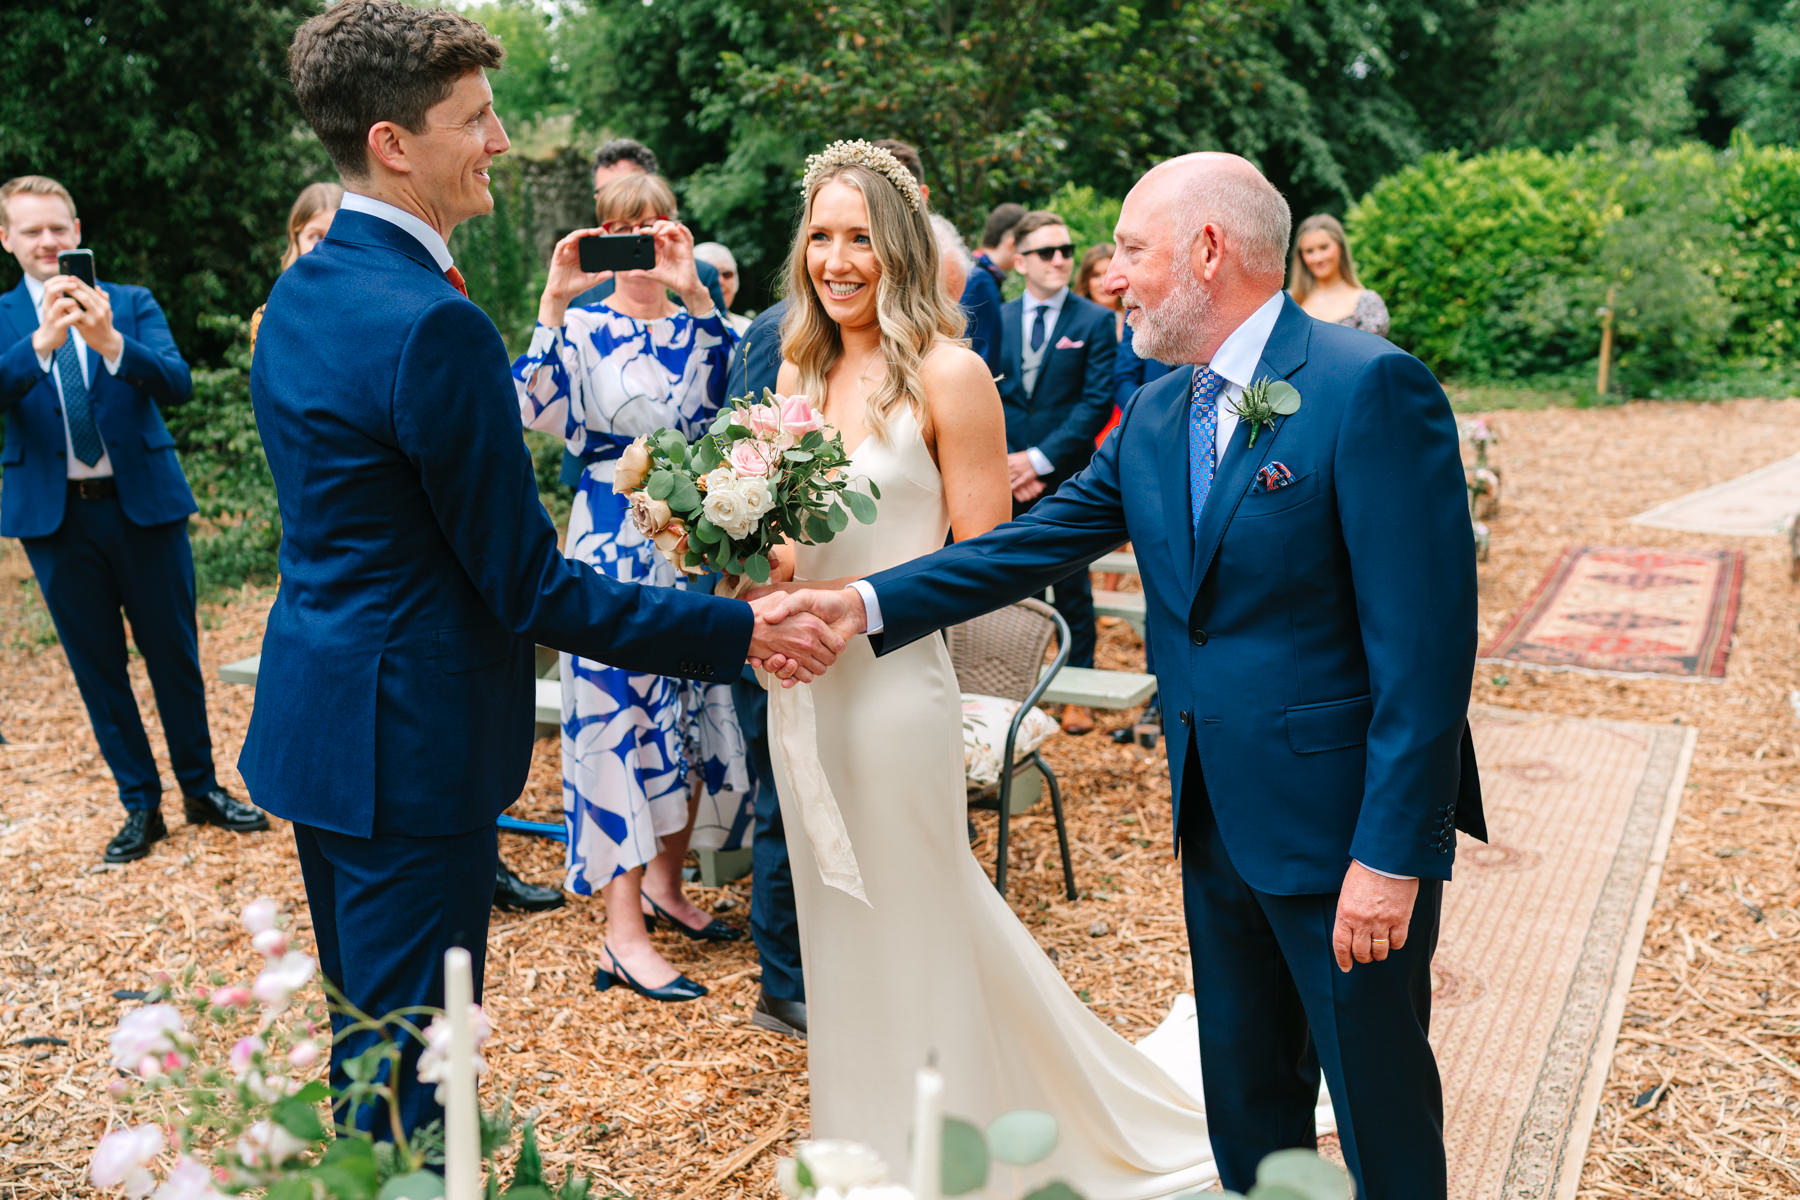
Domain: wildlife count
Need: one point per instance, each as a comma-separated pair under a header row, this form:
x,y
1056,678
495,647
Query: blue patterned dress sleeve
x,y
632,745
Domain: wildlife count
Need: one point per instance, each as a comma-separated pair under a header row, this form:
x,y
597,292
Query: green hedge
x,y
1496,266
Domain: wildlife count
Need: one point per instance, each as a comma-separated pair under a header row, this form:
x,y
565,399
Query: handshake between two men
x,y
801,630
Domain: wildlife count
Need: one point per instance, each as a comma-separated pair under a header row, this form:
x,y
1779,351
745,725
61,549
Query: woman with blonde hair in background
x,y
1323,278
308,221
909,951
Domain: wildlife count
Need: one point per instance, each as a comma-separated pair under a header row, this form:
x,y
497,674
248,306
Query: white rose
x,y
757,495
842,1165
266,1144
718,478
726,509
122,1156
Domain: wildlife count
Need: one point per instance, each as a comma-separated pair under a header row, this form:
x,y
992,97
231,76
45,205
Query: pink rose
x,y
764,420
799,417
752,459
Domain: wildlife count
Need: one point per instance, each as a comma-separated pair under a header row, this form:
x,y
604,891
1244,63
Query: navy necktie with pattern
x,y
84,434
1203,436
1037,328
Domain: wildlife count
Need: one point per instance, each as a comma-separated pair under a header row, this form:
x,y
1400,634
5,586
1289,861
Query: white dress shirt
x,y
1034,362
77,469
431,239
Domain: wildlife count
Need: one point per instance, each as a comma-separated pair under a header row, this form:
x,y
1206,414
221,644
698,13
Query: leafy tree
x,y
533,82
1765,93
174,126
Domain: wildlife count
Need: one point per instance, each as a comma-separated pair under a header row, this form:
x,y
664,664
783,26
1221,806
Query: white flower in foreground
x,y
149,1032
434,1061
757,496
842,1165
188,1181
892,1191
725,508
260,915
270,943
243,1055
305,1055
278,982
121,1158
266,1144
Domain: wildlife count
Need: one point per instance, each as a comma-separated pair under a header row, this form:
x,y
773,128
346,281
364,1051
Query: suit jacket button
x,y
1199,637
1186,717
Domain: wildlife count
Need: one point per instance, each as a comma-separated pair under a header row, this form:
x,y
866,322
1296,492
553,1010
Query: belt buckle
x,y
90,489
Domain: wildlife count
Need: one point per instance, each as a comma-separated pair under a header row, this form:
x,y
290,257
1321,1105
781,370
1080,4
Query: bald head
x,y
1193,191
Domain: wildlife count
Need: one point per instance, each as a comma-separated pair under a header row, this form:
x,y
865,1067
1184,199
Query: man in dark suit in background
x,y
94,492
418,568
1057,353
981,297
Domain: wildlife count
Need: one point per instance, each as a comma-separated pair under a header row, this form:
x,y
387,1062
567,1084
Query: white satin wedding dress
x,y
935,963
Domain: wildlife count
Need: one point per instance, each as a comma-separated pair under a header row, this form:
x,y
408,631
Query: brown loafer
x,y
1077,720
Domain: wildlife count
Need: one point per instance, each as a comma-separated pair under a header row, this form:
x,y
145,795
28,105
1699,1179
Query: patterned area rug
x,y
1540,935
1621,610
1758,504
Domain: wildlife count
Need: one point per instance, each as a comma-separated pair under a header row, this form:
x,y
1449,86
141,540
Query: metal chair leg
x,y
1062,829
1006,779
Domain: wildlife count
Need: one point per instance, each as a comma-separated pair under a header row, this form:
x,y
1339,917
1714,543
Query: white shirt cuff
x,y
112,364
1039,463
44,363
871,606
1384,874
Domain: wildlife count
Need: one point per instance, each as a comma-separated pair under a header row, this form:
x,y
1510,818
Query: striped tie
x,y
1203,436
84,434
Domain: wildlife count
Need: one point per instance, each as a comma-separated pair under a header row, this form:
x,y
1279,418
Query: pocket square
x,y
1273,478
1068,343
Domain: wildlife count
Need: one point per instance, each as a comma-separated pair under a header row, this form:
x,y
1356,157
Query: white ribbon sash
x,y
794,723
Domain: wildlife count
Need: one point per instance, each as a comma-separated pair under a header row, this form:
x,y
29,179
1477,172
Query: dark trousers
x,y
95,566
773,923
1074,599
384,910
1275,1011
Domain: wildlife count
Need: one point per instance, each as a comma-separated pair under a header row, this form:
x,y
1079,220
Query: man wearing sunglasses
x,y
1058,353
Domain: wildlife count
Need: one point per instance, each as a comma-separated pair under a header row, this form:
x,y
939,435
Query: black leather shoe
x,y
513,894
679,988
715,931
780,1016
142,827
217,807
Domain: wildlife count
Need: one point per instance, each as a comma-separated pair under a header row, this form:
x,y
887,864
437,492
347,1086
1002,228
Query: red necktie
x,y
456,280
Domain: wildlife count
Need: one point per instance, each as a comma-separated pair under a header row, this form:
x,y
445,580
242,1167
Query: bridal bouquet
x,y
767,471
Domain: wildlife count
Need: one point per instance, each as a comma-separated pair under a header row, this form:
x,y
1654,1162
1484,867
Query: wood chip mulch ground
x,y
688,1101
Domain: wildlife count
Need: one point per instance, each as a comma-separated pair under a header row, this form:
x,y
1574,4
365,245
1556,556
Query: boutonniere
x,y
1262,402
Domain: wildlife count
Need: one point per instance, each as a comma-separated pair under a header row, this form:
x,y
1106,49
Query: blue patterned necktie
x,y
1203,436
1037,328
84,435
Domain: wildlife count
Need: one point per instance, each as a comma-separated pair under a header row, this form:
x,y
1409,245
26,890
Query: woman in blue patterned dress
x,y
638,750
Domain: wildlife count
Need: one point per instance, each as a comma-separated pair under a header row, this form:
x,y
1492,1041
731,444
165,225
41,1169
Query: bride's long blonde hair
x,y
911,306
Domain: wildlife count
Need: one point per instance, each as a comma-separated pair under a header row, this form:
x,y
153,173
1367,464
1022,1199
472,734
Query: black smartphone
x,y
617,251
79,263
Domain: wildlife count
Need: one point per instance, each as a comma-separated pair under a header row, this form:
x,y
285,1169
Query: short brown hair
x,y
624,198
361,62
1033,221
33,185
1000,222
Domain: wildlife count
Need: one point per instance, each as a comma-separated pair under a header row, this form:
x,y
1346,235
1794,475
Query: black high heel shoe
x,y
715,931
680,988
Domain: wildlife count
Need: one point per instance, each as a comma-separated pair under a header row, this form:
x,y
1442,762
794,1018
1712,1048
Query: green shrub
x,y
1497,266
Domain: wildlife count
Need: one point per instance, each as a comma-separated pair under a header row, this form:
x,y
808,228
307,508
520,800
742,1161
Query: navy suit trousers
x,y
384,911
1275,1011
773,922
94,566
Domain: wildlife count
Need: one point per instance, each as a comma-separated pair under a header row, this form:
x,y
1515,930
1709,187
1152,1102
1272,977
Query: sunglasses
x,y
1052,253
623,226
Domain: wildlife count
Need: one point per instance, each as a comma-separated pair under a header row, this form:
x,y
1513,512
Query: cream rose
x,y
757,495
672,542
633,468
725,507
647,514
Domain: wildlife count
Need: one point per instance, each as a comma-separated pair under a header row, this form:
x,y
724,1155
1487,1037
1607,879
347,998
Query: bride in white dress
x,y
933,962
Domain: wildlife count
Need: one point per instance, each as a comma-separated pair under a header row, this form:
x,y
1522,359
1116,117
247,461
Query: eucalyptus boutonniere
x,y
1262,402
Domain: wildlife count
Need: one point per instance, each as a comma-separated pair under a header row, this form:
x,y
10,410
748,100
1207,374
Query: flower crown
x,y
859,153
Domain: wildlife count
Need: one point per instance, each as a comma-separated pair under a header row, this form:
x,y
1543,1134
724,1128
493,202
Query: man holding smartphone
x,y
93,491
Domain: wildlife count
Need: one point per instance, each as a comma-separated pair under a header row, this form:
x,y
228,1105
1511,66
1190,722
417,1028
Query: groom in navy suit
x,y
418,568
1310,579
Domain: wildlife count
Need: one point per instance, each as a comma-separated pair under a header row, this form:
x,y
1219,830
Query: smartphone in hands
x,y
80,264
617,252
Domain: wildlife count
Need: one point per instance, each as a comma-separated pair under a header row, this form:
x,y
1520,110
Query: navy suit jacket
x,y
1313,644
152,489
1073,398
756,360
418,569
981,301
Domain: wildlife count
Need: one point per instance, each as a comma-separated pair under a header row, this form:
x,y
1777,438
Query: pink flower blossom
x,y
266,1144
189,1180
234,995
434,1062
147,1032
304,1055
753,459
764,420
799,417
121,1158
260,914
243,1055
278,982
270,943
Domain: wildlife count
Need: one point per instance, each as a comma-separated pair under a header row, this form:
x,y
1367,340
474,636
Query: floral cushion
x,y
985,722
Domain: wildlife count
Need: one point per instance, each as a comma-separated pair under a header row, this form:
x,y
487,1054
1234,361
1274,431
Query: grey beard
x,y
1173,332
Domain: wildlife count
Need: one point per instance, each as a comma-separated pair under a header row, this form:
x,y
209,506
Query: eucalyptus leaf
x,y
798,456
415,1185
1280,1191
837,518
1022,1137
818,529
1058,1190
1302,1172
757,568
874,490
965,1158
812,440
671,443
684,497
706,456
862,506
661,485
704,532
1284,398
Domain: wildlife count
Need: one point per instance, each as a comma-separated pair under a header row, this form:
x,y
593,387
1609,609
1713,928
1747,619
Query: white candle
x,y
462,1136
928,1133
